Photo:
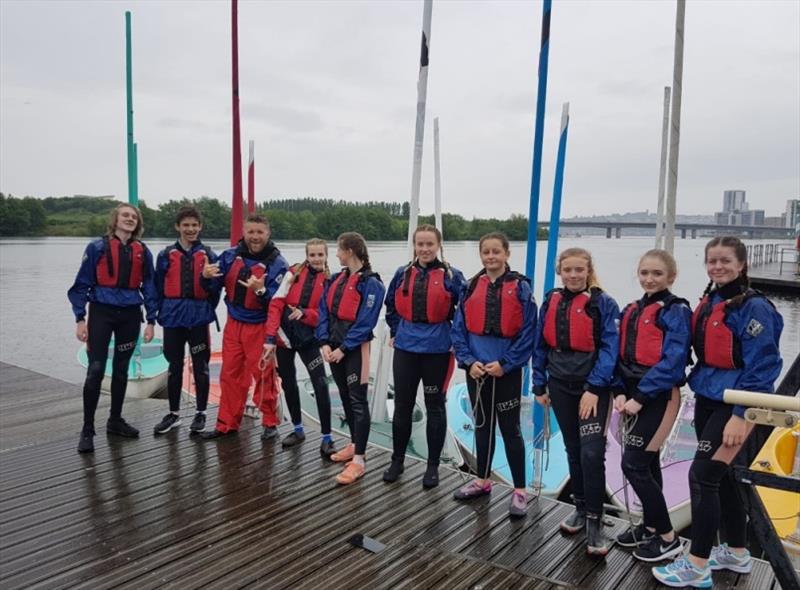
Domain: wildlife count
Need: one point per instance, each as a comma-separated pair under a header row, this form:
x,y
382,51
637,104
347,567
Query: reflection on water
x,y
37,329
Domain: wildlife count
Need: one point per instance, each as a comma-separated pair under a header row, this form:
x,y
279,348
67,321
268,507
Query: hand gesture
x,y
149,332
269,350
297,313
494,369
81,331
735,431
477,370
210,271
588,406
253,282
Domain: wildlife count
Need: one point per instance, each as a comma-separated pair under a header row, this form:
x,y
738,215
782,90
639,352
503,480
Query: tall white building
x,y
733,200
792,213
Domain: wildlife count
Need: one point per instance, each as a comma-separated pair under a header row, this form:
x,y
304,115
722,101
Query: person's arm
x,y
676,321
276,307
372,293
85,279
539,356
149,291
458,336
392,317
519,353
601,377
322,332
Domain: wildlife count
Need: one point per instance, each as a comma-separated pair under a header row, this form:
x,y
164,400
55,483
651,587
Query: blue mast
x,y
555,211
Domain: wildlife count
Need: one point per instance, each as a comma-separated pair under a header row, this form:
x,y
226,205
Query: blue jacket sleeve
x,y
601,378
676,321
457,285
84,280
392,317
519,353
759,327
321,331
274,279
161,274
539,357
458,335
151,297
372,292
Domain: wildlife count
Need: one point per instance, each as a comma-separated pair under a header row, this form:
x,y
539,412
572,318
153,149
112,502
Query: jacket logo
x,y
754,328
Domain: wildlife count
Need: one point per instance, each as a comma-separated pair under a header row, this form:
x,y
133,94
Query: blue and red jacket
x,y
738,330
113,273
302,288
238,263
495,321
655,336
183,302
349,309
420,303
576,340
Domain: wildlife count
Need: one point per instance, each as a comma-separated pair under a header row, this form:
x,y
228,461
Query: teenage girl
x,y
493,338
655,337
574,358
420,303
348,312
115,278
735,335
293,317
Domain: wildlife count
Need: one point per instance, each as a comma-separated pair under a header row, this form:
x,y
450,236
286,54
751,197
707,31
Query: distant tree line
x,y
291,219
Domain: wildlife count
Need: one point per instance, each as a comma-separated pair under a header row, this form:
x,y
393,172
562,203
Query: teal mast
x,y
133,184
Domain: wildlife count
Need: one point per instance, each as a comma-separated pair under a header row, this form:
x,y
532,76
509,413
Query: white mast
x,y
675,134
662,172
438,177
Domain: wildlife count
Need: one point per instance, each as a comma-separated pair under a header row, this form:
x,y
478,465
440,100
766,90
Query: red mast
x,y
237,216
251,180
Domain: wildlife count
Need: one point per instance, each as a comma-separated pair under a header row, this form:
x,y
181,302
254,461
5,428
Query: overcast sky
x,y
328,93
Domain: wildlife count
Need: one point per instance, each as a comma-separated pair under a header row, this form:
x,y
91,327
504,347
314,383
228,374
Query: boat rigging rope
x,y
475,407
543,438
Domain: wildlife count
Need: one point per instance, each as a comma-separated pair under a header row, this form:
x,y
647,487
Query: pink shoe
x,y
352,472
346,454
473,490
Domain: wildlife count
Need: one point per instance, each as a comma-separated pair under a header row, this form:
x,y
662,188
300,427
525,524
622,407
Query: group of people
x,y
587,359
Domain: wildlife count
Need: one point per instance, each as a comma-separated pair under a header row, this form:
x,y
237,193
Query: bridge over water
x,y
685,229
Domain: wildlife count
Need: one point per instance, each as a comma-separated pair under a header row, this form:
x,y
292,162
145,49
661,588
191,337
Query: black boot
x,y
86,442
597,543
576,521
394,471
431,477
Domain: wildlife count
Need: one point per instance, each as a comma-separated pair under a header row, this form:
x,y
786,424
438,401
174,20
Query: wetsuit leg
x,y
200,350
100,327
640,459
565,398
592,432
288,374
174,347
408,370
357,364
127,325
339,373
483,412
315,366
436,372
507,406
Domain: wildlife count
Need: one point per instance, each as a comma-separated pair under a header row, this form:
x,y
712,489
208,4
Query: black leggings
x,y
315,366
199,340
715,494
351,375
505,392
104,320
434,370
641,459
585,442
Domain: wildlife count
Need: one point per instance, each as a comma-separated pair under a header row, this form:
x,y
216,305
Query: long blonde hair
x,y
298,267
591,280
112,221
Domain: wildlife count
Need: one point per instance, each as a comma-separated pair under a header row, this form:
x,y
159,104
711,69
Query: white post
x,y
662,172
675,134
437,177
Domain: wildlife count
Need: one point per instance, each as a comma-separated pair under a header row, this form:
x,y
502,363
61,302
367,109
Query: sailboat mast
x,y
251,179
662,172
555,211
437,177
419,133
133,192
675,133
236,202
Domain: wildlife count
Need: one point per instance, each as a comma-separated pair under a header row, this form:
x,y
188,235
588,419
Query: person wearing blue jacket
x,y
420,303
348,313
574,357
115,278
251,273
655,338
735,335
185,312
493,340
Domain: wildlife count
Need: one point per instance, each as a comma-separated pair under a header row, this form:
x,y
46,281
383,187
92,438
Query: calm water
x,y
37,329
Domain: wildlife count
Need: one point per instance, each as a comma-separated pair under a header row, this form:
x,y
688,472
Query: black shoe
x,y
394,471
597,543
212,434
576,521
119,427
634,537
199,423
327,449
657,549
269,433
86,442
169,422
294,438
431,477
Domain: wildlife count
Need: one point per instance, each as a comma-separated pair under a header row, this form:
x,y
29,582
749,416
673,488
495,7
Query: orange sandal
x,y
346,454
352,472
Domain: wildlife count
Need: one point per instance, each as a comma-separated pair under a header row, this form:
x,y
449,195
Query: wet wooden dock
x,y
772,278
172,511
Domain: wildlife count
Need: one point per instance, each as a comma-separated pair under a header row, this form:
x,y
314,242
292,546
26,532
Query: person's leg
x,y
407,369
262,373
100,328
339,374
482,399
232,378
565,400
507,408
357,376
174,344
315,366
200,350
437,369
126,334
288,375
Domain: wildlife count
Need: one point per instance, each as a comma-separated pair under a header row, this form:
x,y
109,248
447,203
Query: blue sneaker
x,y
723,558
682,574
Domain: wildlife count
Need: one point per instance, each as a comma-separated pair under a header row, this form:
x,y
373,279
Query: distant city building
x,y
733,201
777,221
736,211
792,213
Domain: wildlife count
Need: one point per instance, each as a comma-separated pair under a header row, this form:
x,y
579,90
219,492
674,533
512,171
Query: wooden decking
x,y
177,512
769,277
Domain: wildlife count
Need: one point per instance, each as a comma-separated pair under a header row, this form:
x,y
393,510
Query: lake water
x,y
37,329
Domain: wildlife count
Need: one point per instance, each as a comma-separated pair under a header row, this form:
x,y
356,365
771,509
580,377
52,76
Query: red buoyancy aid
x,y
494,309
307,288
568,324
640,336
344,299
713,341
121,266
182,279
423,297
237,293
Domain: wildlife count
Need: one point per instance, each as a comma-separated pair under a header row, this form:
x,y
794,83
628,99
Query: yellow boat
x,y
780,455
